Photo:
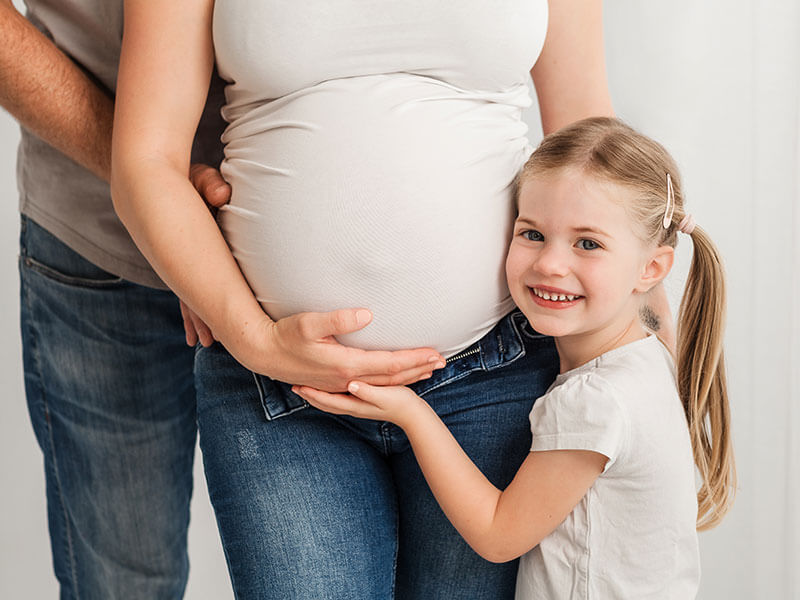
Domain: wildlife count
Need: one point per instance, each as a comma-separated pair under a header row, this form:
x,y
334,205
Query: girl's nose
x,y
552,261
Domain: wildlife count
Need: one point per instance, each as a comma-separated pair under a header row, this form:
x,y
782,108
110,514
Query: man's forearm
x,y
50,96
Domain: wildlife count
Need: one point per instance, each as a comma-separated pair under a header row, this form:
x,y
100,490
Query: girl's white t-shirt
x,y
633,534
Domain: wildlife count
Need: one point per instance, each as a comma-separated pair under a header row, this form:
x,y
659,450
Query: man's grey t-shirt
x,y
62,196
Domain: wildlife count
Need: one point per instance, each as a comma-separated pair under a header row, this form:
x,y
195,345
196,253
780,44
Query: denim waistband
x,y
504,344
501,346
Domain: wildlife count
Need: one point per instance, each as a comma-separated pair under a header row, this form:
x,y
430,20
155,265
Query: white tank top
x,y
372,150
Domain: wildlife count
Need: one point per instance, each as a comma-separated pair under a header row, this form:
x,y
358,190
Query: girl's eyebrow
x,y
525,221
581,229
588,229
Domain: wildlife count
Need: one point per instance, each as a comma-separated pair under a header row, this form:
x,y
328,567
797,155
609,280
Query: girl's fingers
x,y
341,404
338,404
377,395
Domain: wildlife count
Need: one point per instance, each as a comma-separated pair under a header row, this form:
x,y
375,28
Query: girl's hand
x,y
395,404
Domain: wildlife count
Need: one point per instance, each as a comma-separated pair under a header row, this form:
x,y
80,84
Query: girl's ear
x,y
656,268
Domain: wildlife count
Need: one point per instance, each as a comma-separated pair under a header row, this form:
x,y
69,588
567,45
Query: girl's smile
x,y
554,298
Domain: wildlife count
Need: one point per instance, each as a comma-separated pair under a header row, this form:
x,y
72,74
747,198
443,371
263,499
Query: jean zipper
x,y
463,354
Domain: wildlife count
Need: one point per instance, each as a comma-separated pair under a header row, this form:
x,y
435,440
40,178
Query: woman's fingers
x,y
316,326
406,377
302,349
396,363
382,367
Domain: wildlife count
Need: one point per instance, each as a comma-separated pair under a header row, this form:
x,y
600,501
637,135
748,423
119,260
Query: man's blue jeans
x,y
109,383
316,506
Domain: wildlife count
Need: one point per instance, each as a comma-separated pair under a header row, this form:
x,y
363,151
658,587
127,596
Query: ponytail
x,y
702,383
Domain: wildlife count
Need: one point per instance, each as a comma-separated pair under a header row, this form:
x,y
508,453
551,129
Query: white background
x,y
716,82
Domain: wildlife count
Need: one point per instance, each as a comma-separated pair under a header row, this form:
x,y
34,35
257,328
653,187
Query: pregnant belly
x,y
392,193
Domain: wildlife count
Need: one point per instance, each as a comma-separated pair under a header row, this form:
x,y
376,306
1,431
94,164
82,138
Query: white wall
x,y
716,82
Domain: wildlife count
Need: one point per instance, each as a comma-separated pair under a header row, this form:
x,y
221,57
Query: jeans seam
x,y
452,379
393,589
71,280
54,461
386,438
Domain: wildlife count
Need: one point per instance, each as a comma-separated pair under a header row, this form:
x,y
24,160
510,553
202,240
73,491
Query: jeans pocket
x,y
277,398
43,253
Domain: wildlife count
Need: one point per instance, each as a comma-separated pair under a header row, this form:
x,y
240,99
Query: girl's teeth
x,y
555,297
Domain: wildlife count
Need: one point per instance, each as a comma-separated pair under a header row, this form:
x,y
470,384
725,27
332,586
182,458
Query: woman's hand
x,y
395,404
301,349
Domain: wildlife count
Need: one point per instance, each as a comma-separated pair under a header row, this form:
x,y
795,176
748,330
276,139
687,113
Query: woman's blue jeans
x,y
317,506
109,384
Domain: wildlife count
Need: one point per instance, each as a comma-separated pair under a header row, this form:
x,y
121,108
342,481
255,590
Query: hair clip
x,y
670,209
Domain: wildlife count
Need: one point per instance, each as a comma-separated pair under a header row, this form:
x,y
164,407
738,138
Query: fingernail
x,y
363,316
352,387
440,365
433,359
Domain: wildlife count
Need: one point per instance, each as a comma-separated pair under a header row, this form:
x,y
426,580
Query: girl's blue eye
x,y
532,235
588,245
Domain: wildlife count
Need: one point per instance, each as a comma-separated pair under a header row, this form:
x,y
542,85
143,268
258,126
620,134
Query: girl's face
x,y
575,266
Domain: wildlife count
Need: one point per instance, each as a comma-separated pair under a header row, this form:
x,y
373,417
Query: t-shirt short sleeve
x,y
580,414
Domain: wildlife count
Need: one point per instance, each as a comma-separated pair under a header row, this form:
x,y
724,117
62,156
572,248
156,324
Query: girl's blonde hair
x,y
610,150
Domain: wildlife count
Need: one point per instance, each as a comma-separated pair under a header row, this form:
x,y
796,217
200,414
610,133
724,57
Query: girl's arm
x,y
165,68
498,525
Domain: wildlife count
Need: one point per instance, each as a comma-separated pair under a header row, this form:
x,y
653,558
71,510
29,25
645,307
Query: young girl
x,y
605,504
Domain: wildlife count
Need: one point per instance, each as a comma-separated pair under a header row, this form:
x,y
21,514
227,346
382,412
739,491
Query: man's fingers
x,y
196,330
209,183
203,332
188,325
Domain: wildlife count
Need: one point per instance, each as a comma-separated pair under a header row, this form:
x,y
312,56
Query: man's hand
x,y
216,192
209,183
